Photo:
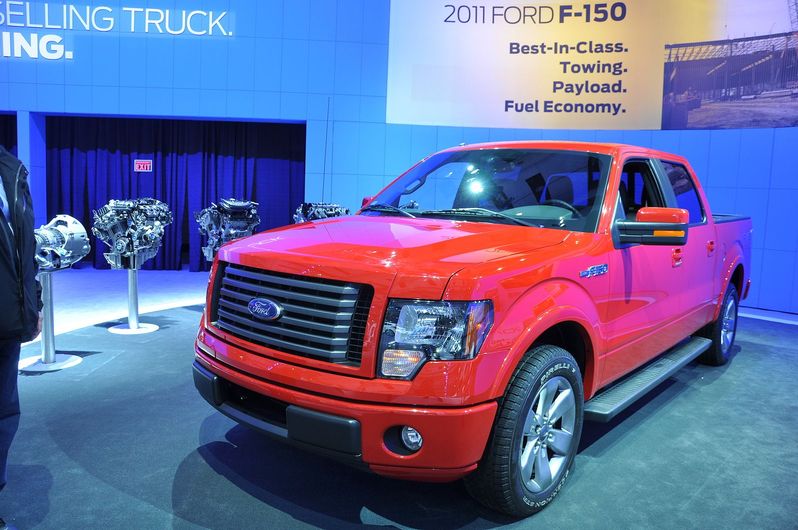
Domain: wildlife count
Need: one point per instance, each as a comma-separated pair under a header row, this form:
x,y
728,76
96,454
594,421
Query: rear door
x,y
699,255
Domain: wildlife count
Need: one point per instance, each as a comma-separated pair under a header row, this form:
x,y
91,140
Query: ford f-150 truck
x,y
470,317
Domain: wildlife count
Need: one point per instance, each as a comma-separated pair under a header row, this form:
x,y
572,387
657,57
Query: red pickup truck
x,y
470,317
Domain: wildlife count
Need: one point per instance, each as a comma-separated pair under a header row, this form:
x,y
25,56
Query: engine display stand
x,y
133,326
49,361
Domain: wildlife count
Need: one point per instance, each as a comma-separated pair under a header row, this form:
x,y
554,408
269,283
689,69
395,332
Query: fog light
x,y
411,438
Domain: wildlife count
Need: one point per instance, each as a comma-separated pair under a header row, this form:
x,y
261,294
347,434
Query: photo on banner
x,y
682,64
741,71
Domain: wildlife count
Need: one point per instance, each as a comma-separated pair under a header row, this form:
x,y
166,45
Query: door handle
x,y
676,257
710,248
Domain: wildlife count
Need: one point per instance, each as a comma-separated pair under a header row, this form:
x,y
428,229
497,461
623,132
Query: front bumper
x,y
335,435
353,431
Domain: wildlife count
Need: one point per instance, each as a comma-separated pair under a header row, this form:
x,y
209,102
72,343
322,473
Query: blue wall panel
x,y
302,60
371,150
348,67
346,108
321,68
398,142
266,103
785,151
294,70
777,289
293,106
666,140
296,19
755,158
268,17
346,148
53,94
449,137
696,147
780,223
375,21
720,163
25,72
424,140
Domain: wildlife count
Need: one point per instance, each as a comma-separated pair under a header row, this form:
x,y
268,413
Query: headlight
x,y
416,331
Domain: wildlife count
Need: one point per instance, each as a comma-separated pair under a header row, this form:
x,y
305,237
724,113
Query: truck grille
x,y
322,319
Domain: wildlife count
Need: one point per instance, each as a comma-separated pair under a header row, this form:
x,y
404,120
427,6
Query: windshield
x,y
536,187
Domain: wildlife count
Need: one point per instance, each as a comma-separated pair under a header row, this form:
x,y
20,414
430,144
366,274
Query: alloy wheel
x,y
548,434
728,325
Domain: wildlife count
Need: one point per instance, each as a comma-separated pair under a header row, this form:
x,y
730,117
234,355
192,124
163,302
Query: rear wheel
x,y
535,437
722,331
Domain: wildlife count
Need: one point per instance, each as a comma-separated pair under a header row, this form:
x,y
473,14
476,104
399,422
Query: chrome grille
x,y
323,319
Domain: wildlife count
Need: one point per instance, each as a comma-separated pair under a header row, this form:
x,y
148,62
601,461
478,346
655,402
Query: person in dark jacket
x,y
20,292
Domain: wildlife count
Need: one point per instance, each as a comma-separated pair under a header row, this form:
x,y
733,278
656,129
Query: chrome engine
x,y
311,211
230,219
133,229
60,243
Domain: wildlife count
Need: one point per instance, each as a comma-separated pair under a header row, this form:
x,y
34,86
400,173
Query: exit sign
x,y
142,166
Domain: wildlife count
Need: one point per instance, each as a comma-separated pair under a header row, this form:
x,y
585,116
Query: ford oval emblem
x,y
265,309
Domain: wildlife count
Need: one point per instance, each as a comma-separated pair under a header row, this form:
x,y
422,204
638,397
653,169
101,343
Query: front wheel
x,y
535,437
722,331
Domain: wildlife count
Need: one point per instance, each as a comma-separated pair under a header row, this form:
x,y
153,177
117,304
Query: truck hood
x,y
416,257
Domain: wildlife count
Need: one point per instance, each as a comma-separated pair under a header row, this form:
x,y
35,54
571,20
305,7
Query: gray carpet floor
x,y
124,441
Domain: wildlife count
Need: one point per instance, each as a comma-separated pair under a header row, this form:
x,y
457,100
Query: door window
x,y
638,189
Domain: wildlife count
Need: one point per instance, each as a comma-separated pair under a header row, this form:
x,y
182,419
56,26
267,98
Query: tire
x,y
722,331
544,378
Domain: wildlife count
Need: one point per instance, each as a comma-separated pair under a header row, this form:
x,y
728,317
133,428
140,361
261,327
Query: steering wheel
x,y
563,204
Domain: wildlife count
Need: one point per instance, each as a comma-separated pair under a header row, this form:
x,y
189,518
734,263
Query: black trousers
x,y
9,401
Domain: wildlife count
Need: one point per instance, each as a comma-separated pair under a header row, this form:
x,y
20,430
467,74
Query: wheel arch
x,y
737,278
734,273
573,338
560,313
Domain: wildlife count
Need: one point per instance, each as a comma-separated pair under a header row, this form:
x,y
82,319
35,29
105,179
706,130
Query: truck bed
x,y
728,217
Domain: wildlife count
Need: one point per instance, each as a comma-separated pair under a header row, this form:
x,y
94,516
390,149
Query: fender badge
x,y
595,270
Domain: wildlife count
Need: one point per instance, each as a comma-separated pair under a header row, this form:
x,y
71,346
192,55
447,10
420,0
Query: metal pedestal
x,y
133,326
49,360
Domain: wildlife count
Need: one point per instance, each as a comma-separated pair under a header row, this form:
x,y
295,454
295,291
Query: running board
x,y
608,403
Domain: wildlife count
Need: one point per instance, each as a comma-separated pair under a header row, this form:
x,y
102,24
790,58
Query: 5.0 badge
x,y
595,270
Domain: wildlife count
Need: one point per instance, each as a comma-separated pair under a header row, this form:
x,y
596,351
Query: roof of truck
x,y
592,147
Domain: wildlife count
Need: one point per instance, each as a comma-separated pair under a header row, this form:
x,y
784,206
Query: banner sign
x,y
634,64
35,30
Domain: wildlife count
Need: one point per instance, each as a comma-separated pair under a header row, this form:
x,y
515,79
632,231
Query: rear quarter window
x,y
684,190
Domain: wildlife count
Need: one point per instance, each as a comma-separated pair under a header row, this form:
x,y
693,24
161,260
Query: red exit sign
x,y
142,166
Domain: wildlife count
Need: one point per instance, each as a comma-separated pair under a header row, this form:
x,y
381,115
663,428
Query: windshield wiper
x,y
481,212
380,207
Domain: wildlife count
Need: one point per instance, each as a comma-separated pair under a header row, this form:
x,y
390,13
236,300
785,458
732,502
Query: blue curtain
x,y
8,132
90,161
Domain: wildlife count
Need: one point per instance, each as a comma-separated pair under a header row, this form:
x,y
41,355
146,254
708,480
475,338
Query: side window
x,y
684,190
637,189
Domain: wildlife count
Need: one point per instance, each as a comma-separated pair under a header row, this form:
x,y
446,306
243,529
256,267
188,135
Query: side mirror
x,y
366,200
655,226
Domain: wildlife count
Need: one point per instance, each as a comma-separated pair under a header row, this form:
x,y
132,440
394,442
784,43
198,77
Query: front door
x,y
645,282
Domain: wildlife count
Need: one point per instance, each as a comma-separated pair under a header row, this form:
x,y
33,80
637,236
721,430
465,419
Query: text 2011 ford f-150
x,y
472,314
